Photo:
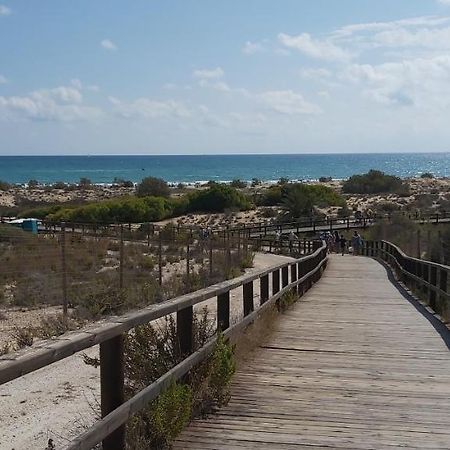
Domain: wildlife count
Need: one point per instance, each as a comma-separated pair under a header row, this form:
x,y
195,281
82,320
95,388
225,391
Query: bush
x,y
271,196
85,183
374,182
300,199
33,184
325,179
161,422
59,185
120,182
427,175
216,199
4,186
256,182
128,209
151,186
238,184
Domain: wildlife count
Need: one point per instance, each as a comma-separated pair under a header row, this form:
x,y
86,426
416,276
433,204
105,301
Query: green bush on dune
x,y
374,182
218,198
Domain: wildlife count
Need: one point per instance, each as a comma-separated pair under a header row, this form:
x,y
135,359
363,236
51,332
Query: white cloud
x,y
64,103
421,82
147,108
437,38
287,102
323,49
422,21
315,73
444,2
250,48
4,10
3,80
208,74
108,45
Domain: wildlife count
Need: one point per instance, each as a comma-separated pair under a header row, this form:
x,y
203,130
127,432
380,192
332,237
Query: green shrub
x,y
127,209
238,184
152,187
216,199
223,369
374,182
159,423
4,186
22,336
300,199
427,175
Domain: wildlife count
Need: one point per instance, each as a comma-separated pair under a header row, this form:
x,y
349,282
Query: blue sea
x,y
197,168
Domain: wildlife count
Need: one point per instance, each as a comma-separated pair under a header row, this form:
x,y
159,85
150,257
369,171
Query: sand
x,y
61,400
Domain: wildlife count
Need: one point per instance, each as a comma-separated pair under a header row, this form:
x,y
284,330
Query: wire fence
x,y
96,274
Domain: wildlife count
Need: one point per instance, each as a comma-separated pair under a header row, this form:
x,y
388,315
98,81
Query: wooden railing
x,y
428,280
312,224
297,275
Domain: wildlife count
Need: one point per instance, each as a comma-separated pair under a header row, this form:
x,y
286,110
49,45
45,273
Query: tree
x,y
151,186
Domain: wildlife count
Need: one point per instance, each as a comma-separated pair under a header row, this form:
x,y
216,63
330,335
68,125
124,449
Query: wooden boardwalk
x,y
353,365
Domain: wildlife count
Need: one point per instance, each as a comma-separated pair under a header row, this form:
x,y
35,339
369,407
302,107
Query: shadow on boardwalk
x,y
353,365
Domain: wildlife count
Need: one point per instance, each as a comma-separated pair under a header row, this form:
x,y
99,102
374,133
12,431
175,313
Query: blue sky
x,y
254,76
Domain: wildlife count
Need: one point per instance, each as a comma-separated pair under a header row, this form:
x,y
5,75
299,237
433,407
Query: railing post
x,y
112,387
223,311
294,277
64,268
264,289
275,281
443,274
248,298
285,276
433,282
184,330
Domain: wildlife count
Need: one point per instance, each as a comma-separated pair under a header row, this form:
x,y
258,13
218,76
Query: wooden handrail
x,y
428,279
109,334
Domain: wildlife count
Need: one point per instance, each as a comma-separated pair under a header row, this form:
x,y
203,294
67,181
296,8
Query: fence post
x,y
419,253
285,276
121,250
247,289
160,277
294,277
64,268
184,330
275,281
210,256
223,311
112,387
433,282
264,289
188,270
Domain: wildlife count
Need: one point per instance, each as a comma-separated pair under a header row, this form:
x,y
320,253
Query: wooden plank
x,y
352,365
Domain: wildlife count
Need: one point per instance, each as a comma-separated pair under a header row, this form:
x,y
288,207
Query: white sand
x,y
61,400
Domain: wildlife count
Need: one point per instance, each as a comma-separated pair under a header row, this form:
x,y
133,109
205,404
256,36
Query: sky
x,y
214,77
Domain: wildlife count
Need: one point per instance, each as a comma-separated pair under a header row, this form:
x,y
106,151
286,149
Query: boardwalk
x,y
353,365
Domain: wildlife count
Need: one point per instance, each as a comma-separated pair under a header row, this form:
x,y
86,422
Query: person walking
x,y
357,243
342,243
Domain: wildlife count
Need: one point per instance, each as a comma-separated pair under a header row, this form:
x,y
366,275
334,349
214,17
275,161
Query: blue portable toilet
x,y
30,225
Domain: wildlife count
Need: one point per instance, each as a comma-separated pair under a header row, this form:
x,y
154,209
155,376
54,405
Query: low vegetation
x,y
374,182
153,350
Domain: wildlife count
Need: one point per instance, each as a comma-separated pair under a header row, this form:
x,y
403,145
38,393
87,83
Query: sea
x,y
193,169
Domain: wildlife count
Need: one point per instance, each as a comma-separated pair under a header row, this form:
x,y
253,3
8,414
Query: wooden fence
x,y
296,276
426,279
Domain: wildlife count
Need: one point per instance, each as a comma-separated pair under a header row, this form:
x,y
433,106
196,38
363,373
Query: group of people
x,y
336,242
